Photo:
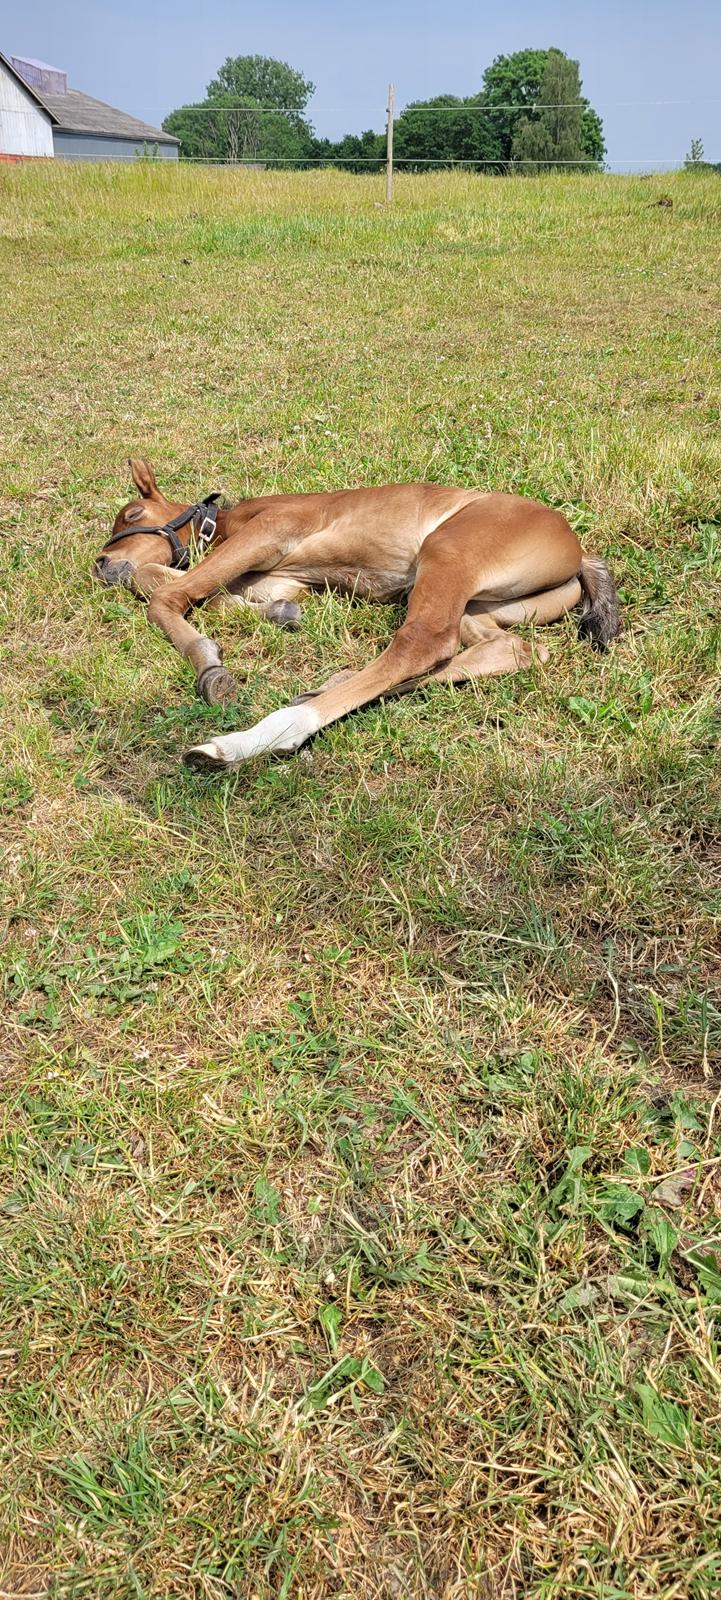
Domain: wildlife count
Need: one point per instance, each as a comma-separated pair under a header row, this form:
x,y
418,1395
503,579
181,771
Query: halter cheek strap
x,y
206,511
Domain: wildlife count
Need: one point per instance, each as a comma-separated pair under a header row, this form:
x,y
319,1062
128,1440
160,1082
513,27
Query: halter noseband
x,y
206,509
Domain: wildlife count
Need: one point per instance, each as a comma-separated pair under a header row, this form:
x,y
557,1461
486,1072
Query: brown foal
x,y
471,564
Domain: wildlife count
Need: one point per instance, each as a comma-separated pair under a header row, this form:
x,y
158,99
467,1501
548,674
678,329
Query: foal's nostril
x,y
112,572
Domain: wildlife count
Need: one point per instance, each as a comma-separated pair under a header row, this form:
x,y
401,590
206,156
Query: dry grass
x,y
337,1093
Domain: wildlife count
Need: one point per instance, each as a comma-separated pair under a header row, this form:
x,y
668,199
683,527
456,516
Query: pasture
x,y
360,1159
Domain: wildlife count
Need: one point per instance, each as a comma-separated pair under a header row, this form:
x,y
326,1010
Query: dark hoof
x,y
204,758
285,614
217,687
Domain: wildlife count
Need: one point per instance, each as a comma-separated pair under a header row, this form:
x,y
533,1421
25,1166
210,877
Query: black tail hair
x,y
600,619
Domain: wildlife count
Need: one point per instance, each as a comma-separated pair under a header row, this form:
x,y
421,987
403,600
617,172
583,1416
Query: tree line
x,y
528,114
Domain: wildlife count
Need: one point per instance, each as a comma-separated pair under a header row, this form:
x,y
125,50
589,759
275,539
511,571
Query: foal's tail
x,y
600,619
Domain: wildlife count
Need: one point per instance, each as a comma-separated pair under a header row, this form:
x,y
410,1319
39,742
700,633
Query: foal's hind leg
x,y
546,606
330,683
493,651
496,654
274,598
480,625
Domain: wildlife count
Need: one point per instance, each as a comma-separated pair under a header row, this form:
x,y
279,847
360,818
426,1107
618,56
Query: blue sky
x,y
148,56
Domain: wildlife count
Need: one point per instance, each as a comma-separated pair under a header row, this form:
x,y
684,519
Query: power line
x,y
420,105
248,162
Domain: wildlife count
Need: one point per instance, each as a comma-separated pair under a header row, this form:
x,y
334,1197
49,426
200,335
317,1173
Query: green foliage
x,y
263,80
362,153
486,127
664,1419
696,161
555,132
520,80
511,81
252,112
330,1318
349,1374
444,129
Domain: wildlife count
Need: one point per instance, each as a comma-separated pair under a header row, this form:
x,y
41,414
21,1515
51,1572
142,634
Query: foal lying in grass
x,y
471,564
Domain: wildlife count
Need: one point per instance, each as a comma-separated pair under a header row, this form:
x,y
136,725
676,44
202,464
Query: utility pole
x,y
389,143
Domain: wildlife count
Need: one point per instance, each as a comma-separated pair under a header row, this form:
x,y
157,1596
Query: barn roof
x,y
33,93
76,112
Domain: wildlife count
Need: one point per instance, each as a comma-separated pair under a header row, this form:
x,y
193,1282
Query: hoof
x,y
217,687
205,758
285,614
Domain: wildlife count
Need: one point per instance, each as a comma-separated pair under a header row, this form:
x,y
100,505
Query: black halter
x,y
206,509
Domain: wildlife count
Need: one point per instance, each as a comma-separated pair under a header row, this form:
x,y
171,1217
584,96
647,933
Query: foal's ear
x,y
143,477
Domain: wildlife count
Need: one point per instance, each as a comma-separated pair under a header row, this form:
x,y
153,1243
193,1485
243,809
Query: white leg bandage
x,y
283,730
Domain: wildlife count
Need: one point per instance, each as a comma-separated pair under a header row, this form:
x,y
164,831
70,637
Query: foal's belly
x,y
368,563
363,582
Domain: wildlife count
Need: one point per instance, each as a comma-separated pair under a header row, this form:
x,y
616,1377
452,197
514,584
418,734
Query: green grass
x,y
336,1093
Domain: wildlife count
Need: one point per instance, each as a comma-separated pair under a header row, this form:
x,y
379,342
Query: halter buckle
x,y
208,522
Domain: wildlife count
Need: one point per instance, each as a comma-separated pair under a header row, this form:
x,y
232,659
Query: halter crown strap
x,y
206,509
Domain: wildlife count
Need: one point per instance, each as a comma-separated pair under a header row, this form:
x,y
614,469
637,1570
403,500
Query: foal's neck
x,y
231,519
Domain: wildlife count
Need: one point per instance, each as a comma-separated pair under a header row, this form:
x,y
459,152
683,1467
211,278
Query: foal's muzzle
x,y
114,573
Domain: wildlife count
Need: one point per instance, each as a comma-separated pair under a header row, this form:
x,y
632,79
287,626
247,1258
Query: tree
x,y
238,130
443,130
696,160
252,112
264,80
363,152
515,82
554,133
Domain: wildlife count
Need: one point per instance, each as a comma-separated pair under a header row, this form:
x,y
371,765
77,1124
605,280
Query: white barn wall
x,y
25,130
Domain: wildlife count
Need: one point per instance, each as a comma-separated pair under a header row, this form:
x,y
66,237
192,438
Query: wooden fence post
x,y
389,143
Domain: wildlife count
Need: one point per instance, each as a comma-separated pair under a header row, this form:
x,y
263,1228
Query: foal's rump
x,y
520,561
499,548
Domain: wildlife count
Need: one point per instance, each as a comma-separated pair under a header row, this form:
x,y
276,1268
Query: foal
x,y
471,564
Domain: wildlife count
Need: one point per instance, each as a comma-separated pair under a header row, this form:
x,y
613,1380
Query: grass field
x,y
361,1165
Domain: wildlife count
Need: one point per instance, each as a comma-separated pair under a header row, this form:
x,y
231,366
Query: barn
x,y
41,116
26,125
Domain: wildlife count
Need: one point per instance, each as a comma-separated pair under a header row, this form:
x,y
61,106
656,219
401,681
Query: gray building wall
x,y
99,147
25,130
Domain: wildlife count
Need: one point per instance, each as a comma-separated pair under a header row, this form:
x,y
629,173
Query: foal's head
x,y
118,562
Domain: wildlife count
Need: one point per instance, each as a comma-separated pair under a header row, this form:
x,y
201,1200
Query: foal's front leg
x,y
145,580
258,547
272,596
